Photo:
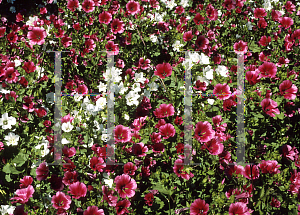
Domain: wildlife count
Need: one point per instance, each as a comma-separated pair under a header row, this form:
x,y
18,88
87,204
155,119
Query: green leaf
x,y
7,178
262,192
20,159
10,169
210,172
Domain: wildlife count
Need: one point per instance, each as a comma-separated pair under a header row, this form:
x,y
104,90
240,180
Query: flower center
x,y
5,122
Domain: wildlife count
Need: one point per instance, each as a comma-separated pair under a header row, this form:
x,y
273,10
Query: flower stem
x,y
166,89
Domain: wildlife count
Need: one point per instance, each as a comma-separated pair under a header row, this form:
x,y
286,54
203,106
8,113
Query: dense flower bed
x,y
146,39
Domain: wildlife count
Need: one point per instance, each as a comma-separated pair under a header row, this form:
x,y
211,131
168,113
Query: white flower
x,y
147,93
65,141
3,90
50,98
132,98
104,137
77,97
138,77
6,122
170,4
188,63
195,57
12,139
7,209
210,101
203,79
101,103
237,36
113,74
219,13
208,73
122,89
126,116
108,182
85,102
136,88
102,87
67,127
204,59
222,70
44,143
31,20
17,62
39,71
153,86
153,38
184,3
249,26
177,45
267,5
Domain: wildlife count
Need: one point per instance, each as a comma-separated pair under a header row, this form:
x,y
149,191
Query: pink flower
x,y
268,70
82,89
125,186
178,170
26,181
105,17
122,134
269,107
262,23
289,152
204,132
144,64
270,166
187,36
117,26
67,118
23,195
12,37
163,70
61,201
88,6
275,203
211,12
72,5
167,131
240,47
122,206
29,67
214,147
264,41
90,44
239,208
97,163
286,22
164,110
93,210
199,207
260,13
11,75
78,189
111,47
2,31
41,112
129,168
133,7
222,91
37,36
108,196
288,89
42,172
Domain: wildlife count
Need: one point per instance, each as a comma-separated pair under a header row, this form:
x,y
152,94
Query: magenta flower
x,y
163,70
70,177
117,26
269,107
286,22
164,110
26,181
42,172
187,36
239,208
122,134
29,67
133,7
202,42
109,197
37,36
275,203
260,13
23,195
149,197
72,5
204,132
93,210
78,190
240,47
139,149
82,89
167,131
178,170
129,168
125,186
61,201
214,147
105,17
199,207
255,172
268,70
288,89
88,6
122,206
222,91
144,64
